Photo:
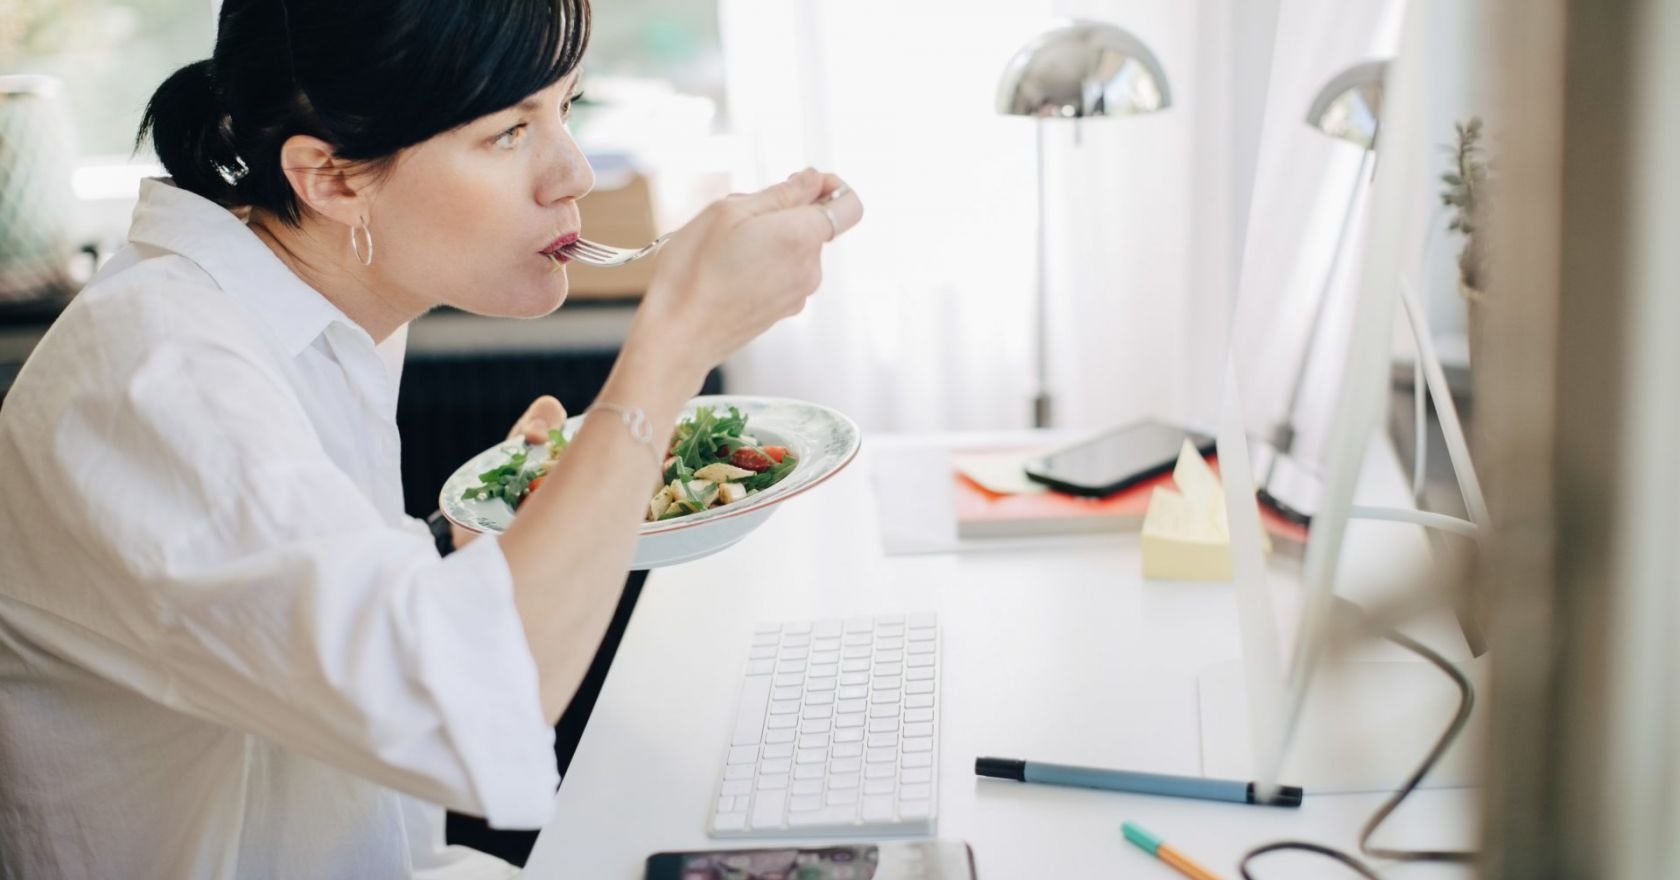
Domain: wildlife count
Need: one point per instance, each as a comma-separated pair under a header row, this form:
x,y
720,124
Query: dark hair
x,y
369,77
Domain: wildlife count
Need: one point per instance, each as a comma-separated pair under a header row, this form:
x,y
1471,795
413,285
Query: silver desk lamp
x,y
1075,71
1348,108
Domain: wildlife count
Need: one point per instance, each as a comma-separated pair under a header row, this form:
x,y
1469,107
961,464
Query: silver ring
x,y
833,222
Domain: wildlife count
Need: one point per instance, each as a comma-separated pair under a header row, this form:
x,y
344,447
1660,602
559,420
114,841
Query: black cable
x,y
1467,701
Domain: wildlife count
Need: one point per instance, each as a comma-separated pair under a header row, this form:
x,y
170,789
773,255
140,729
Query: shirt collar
x,y
182,222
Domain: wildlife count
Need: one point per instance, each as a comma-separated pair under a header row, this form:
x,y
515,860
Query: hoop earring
x,y
355,246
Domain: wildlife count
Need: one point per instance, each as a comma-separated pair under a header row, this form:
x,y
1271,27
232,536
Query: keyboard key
x,y
875,809
842,796
916,648
819,698
848,749
778,737
730,821
804,803
916,774
775,765
738,786
911,730
727,804
738,771
795,640
767,809
821,711
924,673
855,652
813,740
854,678
781,722
918,714
767,639
773,782
877,785
761,667
783,706
809,771
918,687
853,720
919,660
806,786
888,710
888,656
766,652
889,670
841,781
789,679
811,756
789,692
855,735
873,771
854,692
822,670
918,792
917,760
918,701
919,745
820,684
849,707
885,696
882,756
743,755
883,725
879,740
845,765
915,809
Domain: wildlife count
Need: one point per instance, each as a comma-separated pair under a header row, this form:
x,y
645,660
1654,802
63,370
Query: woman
x,y
224,650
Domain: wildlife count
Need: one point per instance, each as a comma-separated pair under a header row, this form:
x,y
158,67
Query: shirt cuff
x,y
479,668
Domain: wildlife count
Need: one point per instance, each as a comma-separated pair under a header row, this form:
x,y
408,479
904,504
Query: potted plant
x,y
1464,190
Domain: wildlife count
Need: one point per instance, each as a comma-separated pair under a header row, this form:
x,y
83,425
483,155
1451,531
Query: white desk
x,y
1061,655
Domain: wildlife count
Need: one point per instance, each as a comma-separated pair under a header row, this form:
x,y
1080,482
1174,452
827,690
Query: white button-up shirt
x,y
225,651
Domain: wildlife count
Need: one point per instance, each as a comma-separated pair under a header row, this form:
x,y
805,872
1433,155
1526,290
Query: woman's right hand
x,y
743,264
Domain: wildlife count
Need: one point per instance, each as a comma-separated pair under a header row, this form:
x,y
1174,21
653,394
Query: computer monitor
x,y
1276,720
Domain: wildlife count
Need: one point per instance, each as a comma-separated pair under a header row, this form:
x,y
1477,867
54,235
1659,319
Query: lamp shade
x,y
1350,105
1086,68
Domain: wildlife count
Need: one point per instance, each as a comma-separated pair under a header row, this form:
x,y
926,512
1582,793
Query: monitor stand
x,y
1365,727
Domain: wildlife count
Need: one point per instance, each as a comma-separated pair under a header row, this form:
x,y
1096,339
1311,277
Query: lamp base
x,y
1041,411
1288,485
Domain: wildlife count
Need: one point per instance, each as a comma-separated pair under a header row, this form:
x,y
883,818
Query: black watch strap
x,y
441,534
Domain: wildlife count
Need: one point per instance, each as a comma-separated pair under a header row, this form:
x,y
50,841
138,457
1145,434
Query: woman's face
x,y
466,218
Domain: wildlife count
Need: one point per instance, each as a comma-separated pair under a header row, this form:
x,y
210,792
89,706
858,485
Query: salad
x,y
712,461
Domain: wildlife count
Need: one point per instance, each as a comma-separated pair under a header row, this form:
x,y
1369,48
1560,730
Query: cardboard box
x,y
622,216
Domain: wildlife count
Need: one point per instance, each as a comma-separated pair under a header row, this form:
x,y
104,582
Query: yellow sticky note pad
x,y
1186,536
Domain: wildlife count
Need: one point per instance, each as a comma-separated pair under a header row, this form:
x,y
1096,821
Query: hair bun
x,y
189,131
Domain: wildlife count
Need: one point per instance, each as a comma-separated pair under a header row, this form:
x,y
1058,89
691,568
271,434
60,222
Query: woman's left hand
x,y
544,413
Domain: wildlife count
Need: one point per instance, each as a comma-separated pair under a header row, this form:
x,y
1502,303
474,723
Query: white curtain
x,y
924,319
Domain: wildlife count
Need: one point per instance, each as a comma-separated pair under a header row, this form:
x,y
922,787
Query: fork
x,y
593,253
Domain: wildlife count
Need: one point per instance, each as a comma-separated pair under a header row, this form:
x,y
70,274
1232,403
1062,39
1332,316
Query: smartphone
x,y
907,860
1115,460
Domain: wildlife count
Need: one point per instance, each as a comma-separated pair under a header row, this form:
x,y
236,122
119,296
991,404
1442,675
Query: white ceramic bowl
x,y
822,440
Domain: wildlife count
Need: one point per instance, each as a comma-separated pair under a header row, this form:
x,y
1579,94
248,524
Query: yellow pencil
x,y
1151,844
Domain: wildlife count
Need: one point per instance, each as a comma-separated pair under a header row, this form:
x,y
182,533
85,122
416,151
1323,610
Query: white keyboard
x,y
837,731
